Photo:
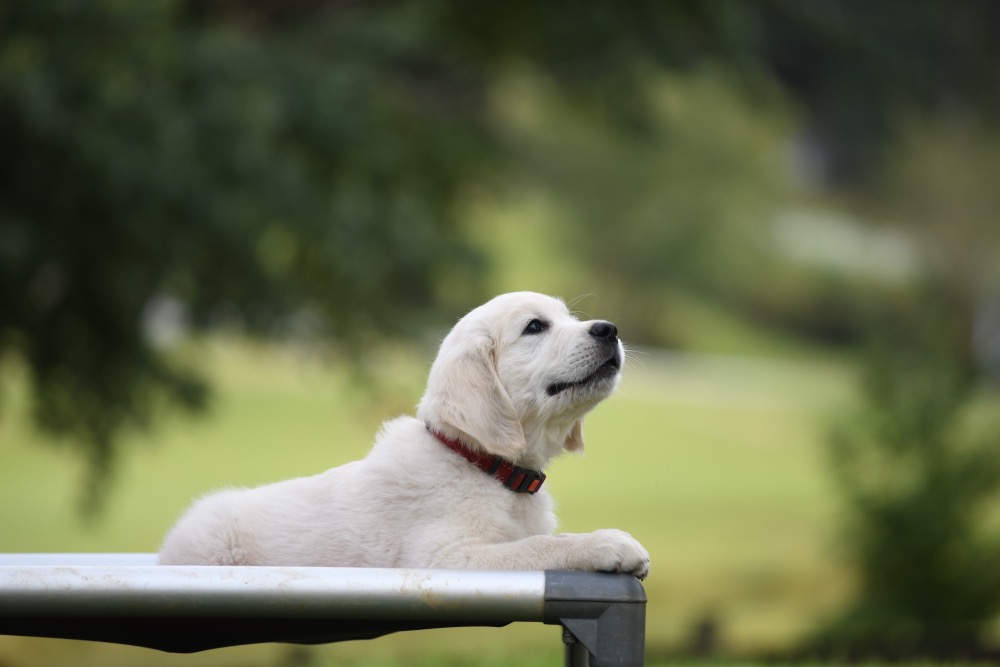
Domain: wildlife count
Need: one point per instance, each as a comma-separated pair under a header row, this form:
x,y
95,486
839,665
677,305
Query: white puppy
x,y
456,487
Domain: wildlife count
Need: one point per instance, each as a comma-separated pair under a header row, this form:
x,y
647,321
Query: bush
x,y
919,481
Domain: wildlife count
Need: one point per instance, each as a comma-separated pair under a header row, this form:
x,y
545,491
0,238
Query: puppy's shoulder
x,y
405,438
399,432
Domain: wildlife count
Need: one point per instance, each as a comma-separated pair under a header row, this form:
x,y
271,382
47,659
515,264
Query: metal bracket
x,y
605,614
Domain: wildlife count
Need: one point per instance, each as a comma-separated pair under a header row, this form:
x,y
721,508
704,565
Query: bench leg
x,y
576,654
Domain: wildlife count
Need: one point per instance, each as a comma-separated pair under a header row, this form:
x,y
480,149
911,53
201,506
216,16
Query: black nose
x,y
604,330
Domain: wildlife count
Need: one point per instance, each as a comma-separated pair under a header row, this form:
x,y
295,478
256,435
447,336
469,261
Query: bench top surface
x,y
128,598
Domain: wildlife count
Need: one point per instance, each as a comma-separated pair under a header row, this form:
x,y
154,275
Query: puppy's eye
x,y
536,327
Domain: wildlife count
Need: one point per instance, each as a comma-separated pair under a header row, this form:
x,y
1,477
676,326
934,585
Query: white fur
x,y
412,502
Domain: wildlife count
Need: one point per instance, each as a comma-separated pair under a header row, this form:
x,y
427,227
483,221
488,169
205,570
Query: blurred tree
x,y
151,160
270,158
263,161
255,159
856,67
919,474
921,478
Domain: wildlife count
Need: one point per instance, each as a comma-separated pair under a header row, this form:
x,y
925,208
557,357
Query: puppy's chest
x,y
504,515
533,514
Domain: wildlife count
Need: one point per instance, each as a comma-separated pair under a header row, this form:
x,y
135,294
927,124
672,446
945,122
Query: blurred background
x,y
232,233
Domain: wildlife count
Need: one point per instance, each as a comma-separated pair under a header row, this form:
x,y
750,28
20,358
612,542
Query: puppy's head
x,y
516,375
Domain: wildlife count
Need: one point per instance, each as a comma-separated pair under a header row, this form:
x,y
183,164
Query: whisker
x,y
572,303
633,356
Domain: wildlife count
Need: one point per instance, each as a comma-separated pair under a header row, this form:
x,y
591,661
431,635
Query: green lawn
x,y
715,464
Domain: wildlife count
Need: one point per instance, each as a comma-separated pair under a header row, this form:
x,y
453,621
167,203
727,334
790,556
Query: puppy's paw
x,y
610,550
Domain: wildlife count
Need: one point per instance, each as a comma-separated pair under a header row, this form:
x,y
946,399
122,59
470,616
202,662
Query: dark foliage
x,y
256,177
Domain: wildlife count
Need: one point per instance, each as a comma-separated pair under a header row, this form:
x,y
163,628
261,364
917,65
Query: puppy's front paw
x,y
610,550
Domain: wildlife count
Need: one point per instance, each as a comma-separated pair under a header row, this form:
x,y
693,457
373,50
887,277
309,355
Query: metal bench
x,y
128,599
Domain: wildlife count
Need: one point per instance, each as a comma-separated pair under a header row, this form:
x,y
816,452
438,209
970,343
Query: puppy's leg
x,y
605,550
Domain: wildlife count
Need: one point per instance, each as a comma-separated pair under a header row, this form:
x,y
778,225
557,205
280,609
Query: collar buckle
x,y
524,480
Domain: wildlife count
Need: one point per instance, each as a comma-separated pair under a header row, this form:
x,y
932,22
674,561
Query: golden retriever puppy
x,y
459,486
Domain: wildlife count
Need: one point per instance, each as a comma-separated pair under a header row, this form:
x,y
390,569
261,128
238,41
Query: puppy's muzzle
x,y
606,336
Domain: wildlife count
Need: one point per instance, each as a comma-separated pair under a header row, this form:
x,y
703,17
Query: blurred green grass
x,y
714,463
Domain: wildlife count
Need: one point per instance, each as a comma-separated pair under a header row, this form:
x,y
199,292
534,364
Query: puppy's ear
x,y
464,392
574,441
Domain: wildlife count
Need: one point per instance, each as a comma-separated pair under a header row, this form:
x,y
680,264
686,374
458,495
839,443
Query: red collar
x,y
515,478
